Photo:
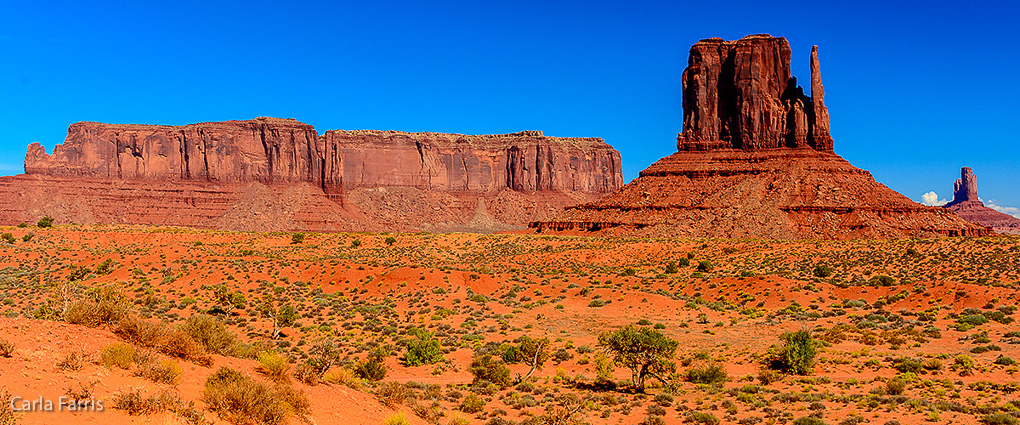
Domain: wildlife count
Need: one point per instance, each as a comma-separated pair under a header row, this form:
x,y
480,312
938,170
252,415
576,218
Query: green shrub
x,y
45,222
472,404
397,419
273,364
297,238
998,419
343,376
703,418
822,271
705,266
797,355
7,237
390,240
372,368
672,268
895,386
424,349
709,374
808,420
491,369
118,354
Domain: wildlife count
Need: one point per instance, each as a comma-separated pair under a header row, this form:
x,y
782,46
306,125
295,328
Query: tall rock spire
x,y
965,187
820,134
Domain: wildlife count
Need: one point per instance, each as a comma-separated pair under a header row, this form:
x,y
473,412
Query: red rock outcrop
x,y
740,94
755,160
967,205
282,175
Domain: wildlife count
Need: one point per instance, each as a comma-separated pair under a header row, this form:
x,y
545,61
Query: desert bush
x,y
45,222
134,403
964,364
6,348
797,355
490,369
297,238
163,338
343,376
212,334
118,354
999,419
702,418
393,394
705,266
808,420
424,349
397,419
242,400
472,404
100,306
8,237
164,372
7,414
822,271
390,240
74,360
306,374
672,268
708,374
273,364
768,376
372,368
895,386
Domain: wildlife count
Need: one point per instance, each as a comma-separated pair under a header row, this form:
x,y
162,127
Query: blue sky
x,y
915,90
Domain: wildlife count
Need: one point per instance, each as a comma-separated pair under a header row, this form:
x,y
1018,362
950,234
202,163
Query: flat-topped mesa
x,y
741,95
523,161
284,151
965,187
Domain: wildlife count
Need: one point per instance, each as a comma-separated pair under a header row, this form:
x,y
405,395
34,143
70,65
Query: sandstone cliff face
x,y
525,161
280,174
968,206
740,95
755,160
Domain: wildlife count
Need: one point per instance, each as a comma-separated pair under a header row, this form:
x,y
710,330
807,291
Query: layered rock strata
x,y
755,160
221,174
968,206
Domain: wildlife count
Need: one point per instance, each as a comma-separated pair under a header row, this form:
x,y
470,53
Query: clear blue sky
x,y
915,90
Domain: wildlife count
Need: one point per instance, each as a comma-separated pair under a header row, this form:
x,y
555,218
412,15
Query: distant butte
x,y
967,205
755,160
280,174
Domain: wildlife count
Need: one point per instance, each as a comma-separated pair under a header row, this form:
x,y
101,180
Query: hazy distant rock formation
x,y
755,160
282,174
967,205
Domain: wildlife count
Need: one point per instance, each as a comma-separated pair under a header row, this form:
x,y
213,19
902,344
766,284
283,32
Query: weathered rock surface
x,y
755,160
968,206
280,174
740,94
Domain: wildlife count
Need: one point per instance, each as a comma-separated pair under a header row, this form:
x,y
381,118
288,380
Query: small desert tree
x,y
281,315
45,222
646,352
534,353
226,299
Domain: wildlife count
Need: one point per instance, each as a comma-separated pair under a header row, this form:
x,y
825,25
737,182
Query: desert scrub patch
x,y
119,354
6,348
343,376
273,364
165,371
240,399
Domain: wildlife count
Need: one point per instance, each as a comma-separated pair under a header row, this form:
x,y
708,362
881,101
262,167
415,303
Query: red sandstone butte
x,y
755,160
967,205
280,174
